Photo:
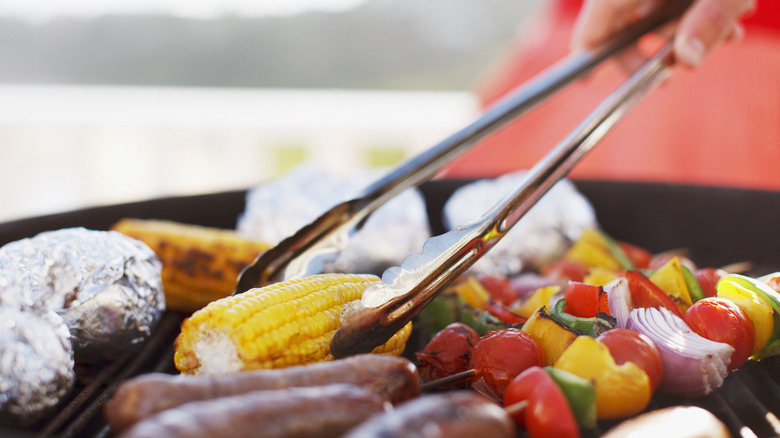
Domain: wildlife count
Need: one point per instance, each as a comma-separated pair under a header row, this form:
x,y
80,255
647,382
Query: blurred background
x,y
110,102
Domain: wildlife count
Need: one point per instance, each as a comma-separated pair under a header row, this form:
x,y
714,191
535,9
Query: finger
x,y
737,33
630,59
647,46
600,19
705,25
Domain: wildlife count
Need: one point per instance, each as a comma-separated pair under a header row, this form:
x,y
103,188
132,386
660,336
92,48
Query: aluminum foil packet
x,y
277,209
105,286
543,234
36,365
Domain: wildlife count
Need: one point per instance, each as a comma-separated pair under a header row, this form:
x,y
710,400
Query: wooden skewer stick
x,y
738,268
438,383
516,408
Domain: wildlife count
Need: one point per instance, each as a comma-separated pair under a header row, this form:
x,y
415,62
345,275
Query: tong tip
x,y
361,330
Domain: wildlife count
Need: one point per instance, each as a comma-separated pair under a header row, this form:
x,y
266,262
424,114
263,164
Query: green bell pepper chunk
x,y
587,326
580,393
694,289
617,252
448,308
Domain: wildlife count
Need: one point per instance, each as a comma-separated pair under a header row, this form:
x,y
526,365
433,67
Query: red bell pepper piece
x,y
644,293
585,300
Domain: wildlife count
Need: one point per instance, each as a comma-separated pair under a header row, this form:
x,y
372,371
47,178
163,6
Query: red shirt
x,y
716,125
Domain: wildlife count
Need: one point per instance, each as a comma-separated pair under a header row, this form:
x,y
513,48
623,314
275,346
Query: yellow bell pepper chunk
x,y
599,276
540,297
592,251
552,337
759,311
670,279
472,292
621,390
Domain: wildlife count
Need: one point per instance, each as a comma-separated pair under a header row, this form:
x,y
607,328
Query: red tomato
x,y
639,256
720,320
646,294
629,346
548,413
499,288
708,279
447,353
582,299
500,356
564,269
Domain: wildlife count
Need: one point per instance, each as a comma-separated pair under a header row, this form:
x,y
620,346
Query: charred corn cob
x,y
280,325
200,264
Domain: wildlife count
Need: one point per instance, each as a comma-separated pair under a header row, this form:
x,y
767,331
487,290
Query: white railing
x,y
67,147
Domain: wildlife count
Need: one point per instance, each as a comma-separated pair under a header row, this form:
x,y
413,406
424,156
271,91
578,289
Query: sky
x,y
41,10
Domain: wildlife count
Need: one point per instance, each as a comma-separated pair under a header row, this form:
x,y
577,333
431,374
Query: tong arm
x,y
301,254
405,290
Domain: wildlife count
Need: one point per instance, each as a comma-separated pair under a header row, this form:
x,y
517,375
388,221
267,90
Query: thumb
x,y
705,25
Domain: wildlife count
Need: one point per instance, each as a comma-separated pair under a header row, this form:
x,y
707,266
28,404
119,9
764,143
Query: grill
x,y
717,225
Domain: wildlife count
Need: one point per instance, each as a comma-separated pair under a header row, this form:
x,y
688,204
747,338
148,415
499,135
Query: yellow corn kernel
x,y
276,326
200,264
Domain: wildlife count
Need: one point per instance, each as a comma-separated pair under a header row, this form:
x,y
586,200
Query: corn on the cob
x,y
200,264
280,325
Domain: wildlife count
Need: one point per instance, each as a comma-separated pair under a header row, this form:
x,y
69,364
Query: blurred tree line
x,y
382,44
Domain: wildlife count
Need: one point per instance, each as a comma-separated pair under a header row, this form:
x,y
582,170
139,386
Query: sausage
x,y
441,415
325,411
394,378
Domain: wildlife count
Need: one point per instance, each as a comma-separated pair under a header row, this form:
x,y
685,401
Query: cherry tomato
x,y
564,269
639,256
585,300
447,353
720,320
629,346
646,294
548,413
708,279
499,288
500,356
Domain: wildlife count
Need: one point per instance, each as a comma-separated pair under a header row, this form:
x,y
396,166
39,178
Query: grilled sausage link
x,y
325,411
394,378
442,415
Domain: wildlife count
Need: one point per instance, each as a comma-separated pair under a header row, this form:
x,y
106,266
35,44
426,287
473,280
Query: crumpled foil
x,y
36,365
542,235
106,287
277,209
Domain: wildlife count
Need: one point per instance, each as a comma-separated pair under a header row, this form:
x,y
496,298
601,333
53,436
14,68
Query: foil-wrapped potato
x,y
105,285
277,209
36,364
557,219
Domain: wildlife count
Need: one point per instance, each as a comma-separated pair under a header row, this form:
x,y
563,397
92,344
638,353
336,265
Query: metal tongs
x,y
405,290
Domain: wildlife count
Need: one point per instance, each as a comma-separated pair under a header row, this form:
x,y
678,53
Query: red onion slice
x,y
693,365
619,300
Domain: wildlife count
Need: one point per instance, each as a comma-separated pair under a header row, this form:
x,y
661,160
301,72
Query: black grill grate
x,y
748,402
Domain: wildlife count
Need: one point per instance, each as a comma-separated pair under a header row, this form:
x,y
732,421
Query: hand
x,y
702,27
